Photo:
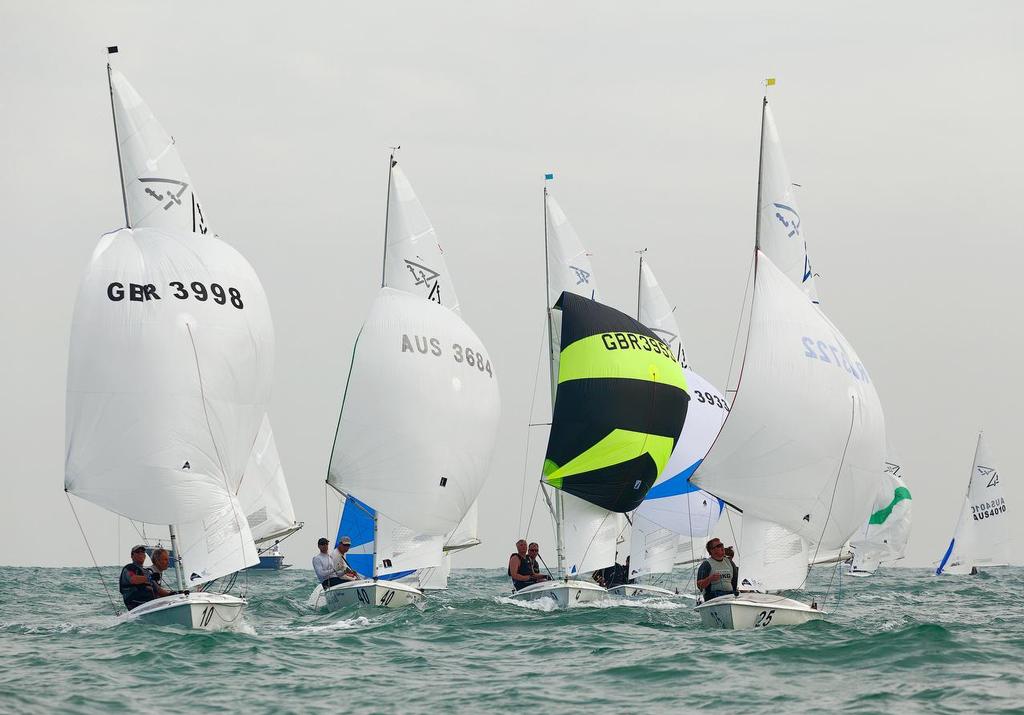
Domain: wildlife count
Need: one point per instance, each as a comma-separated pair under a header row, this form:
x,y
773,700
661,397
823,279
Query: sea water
x,y
902,641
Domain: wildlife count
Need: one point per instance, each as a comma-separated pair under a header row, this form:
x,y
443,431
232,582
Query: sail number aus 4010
x,y
462,354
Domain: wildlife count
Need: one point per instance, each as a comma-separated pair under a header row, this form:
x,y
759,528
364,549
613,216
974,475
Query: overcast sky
x,y
901,121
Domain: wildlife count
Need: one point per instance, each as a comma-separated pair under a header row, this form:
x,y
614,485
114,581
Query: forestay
x,y
158,190
414,261
883,538
264,493
780,228
419,417
805,439
169,376
982,536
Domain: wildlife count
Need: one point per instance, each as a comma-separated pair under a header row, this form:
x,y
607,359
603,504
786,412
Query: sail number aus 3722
x,y
829,353
141,292
459,353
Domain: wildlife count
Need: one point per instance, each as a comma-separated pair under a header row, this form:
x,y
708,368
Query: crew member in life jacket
x,y
520,567
533,553
717,575
136,584
161,561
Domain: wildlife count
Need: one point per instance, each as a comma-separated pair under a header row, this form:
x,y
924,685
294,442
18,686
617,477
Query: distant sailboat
x,y
982,536
883,538
673,508
419,418
805,439
619,404
169,375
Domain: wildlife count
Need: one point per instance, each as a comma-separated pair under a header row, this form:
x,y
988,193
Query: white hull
x,y
639,590
198,610
367,592
566,594
755,610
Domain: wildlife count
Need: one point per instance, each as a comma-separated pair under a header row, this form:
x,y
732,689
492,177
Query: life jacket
x,y
525,569
134,594
723,585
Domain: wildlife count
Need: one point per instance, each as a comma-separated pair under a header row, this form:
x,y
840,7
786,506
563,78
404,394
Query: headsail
x,y
982,536
619,408
883,538
419,417
264,493
158,190
813,466
169,376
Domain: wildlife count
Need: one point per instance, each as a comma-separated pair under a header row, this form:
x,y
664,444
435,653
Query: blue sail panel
x,y
677,485
357,520
945,558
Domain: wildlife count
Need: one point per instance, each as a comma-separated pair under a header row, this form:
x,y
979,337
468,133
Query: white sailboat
x,y
982,536
606,447
169,375
883,538
418,421
673,508
805,438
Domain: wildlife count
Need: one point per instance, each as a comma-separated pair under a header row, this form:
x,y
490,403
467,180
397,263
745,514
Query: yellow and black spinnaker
x,y
619,409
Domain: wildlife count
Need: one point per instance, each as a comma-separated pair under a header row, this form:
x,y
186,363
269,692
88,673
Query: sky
x,y
900,121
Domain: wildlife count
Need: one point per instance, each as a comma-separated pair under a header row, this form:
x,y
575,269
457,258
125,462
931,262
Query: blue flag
x,y
548,177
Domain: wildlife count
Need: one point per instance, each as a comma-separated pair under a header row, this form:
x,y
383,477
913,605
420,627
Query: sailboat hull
x,y
566,594
377,594
198,610
755,610
639,590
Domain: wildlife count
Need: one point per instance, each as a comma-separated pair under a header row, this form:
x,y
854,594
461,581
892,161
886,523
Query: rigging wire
x,y
529,433
99,573
739,325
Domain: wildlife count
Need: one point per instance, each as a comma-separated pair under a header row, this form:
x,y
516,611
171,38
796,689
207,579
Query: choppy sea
x,y
903,641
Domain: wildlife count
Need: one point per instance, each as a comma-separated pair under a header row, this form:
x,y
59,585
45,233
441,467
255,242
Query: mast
x,y
639,281
760,169
558,510
117,142
387,211
178,567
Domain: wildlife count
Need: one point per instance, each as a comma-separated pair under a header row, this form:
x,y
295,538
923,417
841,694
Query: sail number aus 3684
x,y
459,353
141,292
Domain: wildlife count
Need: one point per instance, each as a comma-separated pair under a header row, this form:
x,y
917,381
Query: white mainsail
x,y
158,191
419,417
169,375
982,536
264,492
811,467
780,229
771,557
884,536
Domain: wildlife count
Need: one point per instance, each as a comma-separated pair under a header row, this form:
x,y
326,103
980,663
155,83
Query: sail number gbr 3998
x,y
196,290
459,353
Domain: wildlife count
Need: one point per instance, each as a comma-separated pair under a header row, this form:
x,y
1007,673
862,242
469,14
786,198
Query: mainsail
x,y
169,376
158,191
264,493
982,536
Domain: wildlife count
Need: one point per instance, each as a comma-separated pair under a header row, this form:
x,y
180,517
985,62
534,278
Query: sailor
x,y
533,554
520,567
161,560
136,584
323,564
342,571
717,574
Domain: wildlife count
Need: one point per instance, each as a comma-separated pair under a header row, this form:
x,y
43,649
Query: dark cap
x,y
323,540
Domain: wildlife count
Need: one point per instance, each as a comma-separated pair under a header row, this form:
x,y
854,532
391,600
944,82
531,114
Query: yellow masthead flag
x,y
769,82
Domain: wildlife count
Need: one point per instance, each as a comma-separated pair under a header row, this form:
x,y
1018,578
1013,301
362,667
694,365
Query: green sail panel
x,y
619,408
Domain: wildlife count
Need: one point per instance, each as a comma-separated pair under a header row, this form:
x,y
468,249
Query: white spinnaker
x,y
569,266
414,261
658,314
883,537
264,493
770,556
805,407
589,534
158,189
165,396
420,415
780,230
982,536
218,545
400,549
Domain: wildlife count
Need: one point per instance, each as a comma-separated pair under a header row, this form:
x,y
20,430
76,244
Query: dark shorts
x,y
333,581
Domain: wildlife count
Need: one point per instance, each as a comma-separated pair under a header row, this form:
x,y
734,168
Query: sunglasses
x,y
717,546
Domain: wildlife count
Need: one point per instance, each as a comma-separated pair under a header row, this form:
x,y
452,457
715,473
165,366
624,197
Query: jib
x,y
136,291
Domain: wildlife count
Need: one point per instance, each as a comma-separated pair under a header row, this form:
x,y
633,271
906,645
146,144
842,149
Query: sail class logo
x,y
582,276
425,276
789,219
667,336
170,192
991,473
893,469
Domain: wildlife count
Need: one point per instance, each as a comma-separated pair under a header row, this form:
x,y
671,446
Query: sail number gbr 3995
x,y
459,353
196,290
